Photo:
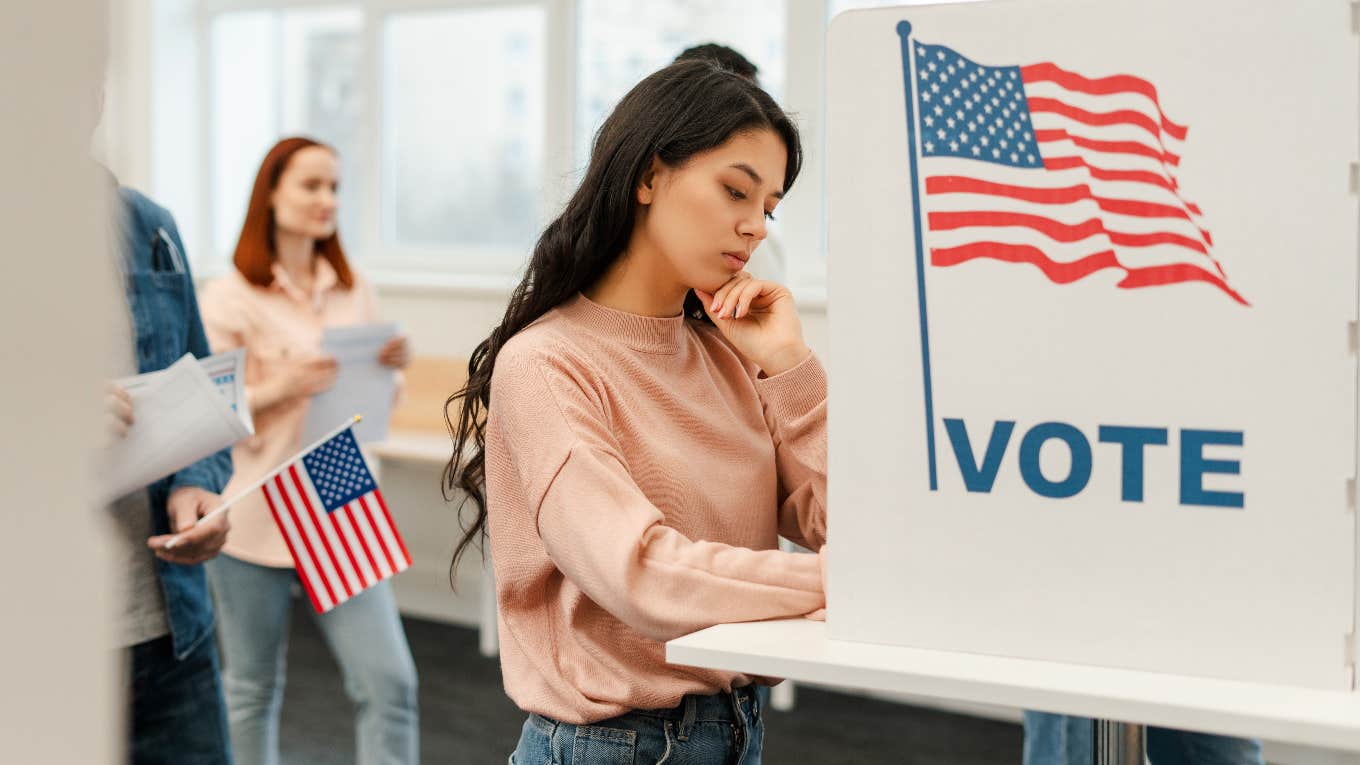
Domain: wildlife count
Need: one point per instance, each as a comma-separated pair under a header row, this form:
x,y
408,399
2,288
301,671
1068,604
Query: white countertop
x,y
798,649
411,446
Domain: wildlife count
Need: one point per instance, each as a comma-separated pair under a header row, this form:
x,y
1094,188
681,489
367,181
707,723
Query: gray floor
x,y
466,718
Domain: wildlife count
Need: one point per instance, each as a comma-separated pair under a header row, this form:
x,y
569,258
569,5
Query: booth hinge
x,y
1350,648
1350,495
1355,178
1355,17
1353,337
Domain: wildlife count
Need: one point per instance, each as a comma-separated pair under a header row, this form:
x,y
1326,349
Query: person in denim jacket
x,y
178,713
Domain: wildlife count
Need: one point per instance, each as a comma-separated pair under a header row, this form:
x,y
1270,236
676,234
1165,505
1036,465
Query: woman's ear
x,y
646,191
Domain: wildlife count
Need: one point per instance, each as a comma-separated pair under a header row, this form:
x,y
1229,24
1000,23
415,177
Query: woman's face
x,y
706,217
304,199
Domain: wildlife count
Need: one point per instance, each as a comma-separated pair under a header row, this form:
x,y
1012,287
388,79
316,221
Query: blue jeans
x,y
178,715
365,634
1059,740
701,730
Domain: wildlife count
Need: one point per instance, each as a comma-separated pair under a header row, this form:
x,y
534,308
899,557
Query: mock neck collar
x,y
649,334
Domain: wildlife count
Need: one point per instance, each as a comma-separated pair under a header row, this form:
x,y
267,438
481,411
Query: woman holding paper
x,y
290,284
649,421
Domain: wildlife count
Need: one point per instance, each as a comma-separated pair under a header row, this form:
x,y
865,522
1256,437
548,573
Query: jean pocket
x,y
594,745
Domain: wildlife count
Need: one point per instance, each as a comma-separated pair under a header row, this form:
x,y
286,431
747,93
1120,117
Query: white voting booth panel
x,y
1117,481
1093,396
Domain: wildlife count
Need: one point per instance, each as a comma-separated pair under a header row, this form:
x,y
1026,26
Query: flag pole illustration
x,y
904,31
1040,166
332,517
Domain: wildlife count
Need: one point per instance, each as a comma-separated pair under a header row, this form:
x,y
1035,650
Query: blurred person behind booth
x,y
165,618
1052,739
772,263
291,281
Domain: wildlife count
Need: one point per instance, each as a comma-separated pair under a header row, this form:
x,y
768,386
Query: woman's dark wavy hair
x,y
683,110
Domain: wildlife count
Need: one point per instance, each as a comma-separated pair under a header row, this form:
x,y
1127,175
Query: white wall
x,y
123,141
60,673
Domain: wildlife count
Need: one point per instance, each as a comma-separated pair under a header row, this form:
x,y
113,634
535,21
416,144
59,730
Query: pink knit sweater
x,y
638,474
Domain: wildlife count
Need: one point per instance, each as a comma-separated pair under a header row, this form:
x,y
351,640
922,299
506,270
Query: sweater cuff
x,y
795,392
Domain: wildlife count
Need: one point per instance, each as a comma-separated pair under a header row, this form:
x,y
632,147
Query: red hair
x,y
255,251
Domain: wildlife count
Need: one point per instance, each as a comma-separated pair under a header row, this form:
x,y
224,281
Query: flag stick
x,y
222,508
904,31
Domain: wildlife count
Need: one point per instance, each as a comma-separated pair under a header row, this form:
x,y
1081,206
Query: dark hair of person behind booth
x,y
255,250
723,56
681,111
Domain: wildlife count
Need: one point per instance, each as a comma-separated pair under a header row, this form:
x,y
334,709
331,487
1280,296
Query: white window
x,y
834,7
461,125
622,41
462,135
274,74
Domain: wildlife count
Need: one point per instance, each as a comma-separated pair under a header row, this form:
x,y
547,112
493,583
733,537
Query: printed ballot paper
x,y
362,385
181,414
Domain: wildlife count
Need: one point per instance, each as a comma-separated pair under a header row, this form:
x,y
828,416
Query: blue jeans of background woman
x,y
722,729
365,634
1061,739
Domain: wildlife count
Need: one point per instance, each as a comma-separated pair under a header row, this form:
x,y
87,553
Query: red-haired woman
x,y
291,282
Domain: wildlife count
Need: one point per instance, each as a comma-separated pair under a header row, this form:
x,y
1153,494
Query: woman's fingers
x,y
395,352
720,298
746,295
732,306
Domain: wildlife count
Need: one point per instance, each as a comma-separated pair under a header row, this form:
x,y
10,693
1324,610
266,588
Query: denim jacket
x,y
160,293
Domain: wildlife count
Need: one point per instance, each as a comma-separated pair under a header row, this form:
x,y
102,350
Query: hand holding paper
x,y
395,353
308,377
119,407
301,378
364,383
176,416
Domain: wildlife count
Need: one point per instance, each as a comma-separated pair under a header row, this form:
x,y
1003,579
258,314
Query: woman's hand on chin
x,y
760,320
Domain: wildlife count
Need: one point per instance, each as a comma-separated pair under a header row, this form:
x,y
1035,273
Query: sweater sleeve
x,y
795,411
606,537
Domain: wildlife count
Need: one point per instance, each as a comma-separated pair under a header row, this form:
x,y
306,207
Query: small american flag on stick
x,y
336,524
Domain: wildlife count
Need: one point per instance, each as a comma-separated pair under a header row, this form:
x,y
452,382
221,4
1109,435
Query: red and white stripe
x,y
1109,196
337,554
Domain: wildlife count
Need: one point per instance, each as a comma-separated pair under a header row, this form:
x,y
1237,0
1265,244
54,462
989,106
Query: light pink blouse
x,y
274,324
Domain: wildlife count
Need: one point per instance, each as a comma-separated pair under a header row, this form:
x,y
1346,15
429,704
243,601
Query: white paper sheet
x,y
362,385
181,414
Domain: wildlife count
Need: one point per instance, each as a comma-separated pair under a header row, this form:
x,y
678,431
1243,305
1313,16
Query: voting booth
x,y
1093,292
1105,257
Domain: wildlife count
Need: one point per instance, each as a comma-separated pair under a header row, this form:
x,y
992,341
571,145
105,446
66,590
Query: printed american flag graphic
x,y
1039,165
336,524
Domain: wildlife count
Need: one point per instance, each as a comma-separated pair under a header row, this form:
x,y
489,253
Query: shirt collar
x,y
323,280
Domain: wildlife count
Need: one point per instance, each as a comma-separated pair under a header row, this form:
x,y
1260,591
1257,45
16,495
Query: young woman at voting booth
x,y
649,421
291,281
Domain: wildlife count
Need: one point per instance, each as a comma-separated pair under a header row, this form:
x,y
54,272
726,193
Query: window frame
x,y
802,214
